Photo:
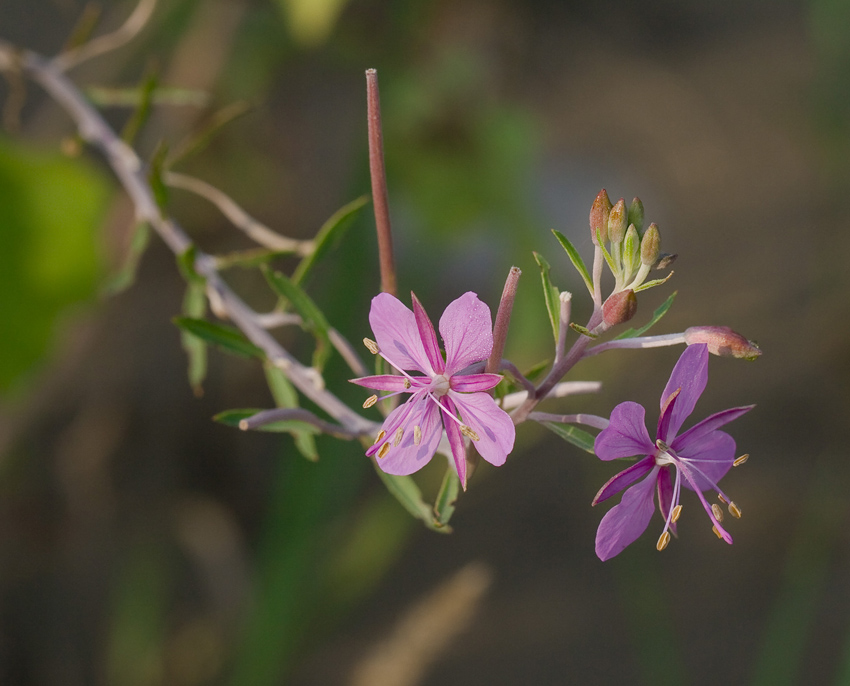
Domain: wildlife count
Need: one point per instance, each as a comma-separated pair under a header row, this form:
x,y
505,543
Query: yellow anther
x,y
717,512
371,400
371,345
398,434
468,432
741,460
407,383
417,435
722,499
677,512
385,448
663,540
717,532
734,510
380,437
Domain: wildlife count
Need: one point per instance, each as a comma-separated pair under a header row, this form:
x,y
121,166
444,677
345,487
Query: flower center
x,y
662,455
440,385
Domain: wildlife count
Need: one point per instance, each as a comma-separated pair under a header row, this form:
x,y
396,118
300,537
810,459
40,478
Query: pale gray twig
x,y
593,420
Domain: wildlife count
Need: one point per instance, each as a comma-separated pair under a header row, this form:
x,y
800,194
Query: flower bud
x,y
599,216
650,245
617,222
620,307
722,341
636,214
631,250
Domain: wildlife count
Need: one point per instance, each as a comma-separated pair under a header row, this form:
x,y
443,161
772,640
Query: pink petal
x,y
626,435
713,455
397,335
467,331
455,440
708,425
624,479
665,496
472,383
625,522
494,426
407,457
427,335
690,375
391,382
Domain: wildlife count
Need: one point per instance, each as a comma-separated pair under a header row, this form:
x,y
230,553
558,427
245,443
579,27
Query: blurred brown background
x,y
141,543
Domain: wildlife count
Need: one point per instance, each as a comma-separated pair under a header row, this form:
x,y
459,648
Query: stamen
x,y
717,512
741,460
417,435
734,510
469,433
677,511
722,499
380,437
407,383
663,541
371,400
398,434
717,532
385,448
371,345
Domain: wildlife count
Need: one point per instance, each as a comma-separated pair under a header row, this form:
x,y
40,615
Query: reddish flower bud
x,y
599,213
617,222
620,307
722,341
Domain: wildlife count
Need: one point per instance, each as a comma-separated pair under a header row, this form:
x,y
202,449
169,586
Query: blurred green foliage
x,y
50,211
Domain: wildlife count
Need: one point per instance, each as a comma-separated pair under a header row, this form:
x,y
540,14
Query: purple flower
x,y
411,433
699,458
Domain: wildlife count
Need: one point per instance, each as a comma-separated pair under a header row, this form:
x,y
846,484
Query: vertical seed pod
x,y
636,214
650,246
617,222
599,212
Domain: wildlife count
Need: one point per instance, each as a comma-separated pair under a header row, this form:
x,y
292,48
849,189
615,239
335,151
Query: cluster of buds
x,y
631,253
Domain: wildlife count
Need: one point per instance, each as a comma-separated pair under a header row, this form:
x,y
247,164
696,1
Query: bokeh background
x,y
142,544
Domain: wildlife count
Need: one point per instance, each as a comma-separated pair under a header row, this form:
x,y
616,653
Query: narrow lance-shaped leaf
x,y
155,172
550,294
659,312
572,434
126,274
444,505
226,338
285,395
575,258
195,307
143,109
328,236
312,318
405,490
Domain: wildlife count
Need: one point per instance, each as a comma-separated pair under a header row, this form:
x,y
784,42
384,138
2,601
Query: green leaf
x,y
186,265
660,312
615,270
155,172
234,417
653,283
143,110
444,505
328,236
195,307
575,258
226,338
583,330
312,318
285,395
550,294
126,274
572,434
405,490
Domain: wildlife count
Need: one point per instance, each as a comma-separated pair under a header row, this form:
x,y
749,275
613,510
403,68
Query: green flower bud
x,y
650,246
636,214
599,216
723,341
631,250
617,222
619,307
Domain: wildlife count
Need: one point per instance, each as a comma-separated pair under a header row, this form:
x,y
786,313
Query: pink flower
x,y
699,458
411,433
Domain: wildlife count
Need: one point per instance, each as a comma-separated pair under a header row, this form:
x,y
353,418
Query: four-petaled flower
x,y
700,457
411,433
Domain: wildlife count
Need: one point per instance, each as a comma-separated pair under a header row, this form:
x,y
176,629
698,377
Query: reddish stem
x,y
503,320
